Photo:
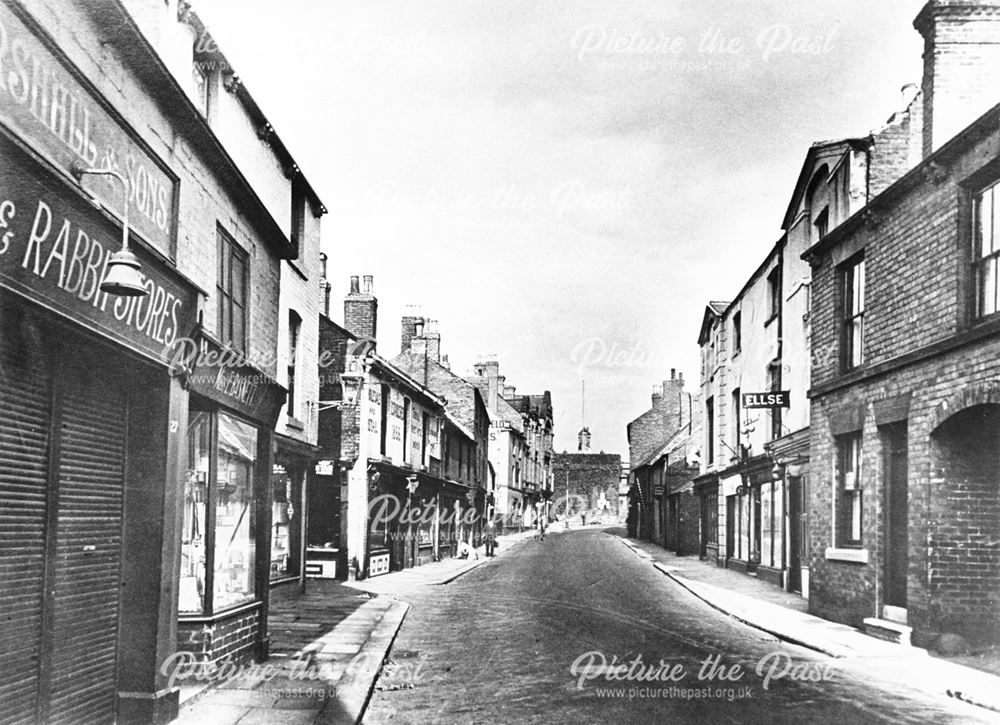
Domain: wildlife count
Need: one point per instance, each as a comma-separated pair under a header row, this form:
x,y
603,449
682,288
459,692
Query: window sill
x,y
295,423
856,556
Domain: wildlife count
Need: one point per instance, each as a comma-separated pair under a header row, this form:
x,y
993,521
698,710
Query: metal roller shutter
x,y
88,544
25,404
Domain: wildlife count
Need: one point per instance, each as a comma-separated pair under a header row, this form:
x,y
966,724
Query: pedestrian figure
x,y
541,528
583,518
490,537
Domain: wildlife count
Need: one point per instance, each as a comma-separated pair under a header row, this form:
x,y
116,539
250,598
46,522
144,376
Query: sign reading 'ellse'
x,y
773,399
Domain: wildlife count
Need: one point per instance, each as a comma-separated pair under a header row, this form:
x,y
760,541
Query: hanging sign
x,y
773,399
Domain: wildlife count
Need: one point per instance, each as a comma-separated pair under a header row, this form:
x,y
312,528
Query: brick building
x,y
671,408
754,485
146,450
586,483
904,512
537,481
401,481
508,447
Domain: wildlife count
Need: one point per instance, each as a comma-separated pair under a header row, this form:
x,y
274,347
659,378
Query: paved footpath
x,y
328,647
785,615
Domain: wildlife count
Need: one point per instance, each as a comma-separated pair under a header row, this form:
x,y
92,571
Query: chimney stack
x,y
433,341
361,310
324,285
488,373
583,440
412,318
961,65
509,391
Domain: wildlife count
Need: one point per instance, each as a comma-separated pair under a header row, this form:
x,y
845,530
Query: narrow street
x,y
499,645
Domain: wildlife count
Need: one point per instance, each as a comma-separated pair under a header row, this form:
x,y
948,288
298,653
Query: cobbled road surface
x,y
522,639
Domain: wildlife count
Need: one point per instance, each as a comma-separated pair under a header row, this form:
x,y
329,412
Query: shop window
x,y
987,251
218,546
232,292
848,495
853,293
711,504
285,517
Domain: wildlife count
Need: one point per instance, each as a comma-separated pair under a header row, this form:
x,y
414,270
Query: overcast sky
x,y
562,184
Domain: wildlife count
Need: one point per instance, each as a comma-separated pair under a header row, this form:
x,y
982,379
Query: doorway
x,y
896,514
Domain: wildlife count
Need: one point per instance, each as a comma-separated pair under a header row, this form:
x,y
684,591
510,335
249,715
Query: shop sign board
x,y
54,248
50,105
772,399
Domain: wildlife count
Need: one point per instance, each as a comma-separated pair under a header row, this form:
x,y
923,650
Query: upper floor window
x,y
987,251
710,431
294,327
232,291
774,385
773,293
737,332
853,287
822,224
298,218
737,424
848,493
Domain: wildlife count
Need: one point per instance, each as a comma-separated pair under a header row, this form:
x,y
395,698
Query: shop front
x,y
90,447
226,548
755,522
293,462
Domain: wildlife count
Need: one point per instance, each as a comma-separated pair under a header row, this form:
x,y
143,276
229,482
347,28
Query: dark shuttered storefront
x,y
62,461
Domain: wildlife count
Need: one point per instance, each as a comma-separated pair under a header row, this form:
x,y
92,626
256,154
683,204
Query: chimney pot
x,y
354,285
368,279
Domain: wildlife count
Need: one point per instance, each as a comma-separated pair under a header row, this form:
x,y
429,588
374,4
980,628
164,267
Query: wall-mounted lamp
x,y
352,381
123,278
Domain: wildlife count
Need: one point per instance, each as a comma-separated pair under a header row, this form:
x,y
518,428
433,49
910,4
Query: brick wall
x,y
226,640
916,250
588,475
961,65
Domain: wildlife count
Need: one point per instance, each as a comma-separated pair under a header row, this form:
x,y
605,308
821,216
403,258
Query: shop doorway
x,y
62,478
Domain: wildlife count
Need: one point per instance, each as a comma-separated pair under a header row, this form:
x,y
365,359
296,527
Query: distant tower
x,y
583,437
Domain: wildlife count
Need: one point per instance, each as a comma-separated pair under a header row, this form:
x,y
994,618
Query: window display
x,y
192,581
234,513
219,507
286,524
